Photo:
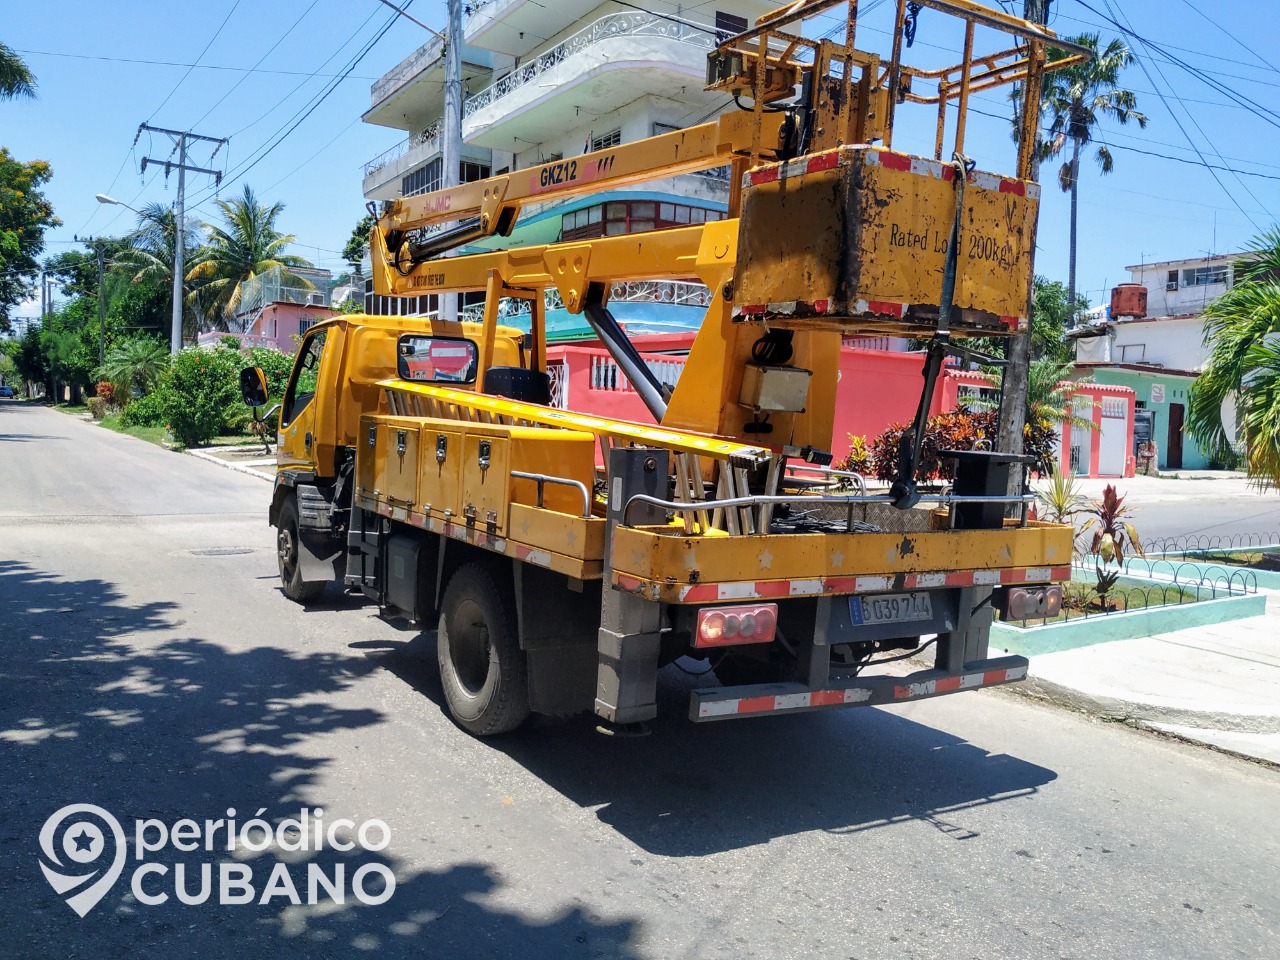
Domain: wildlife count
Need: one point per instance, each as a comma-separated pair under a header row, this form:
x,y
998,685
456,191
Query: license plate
x,y
890,608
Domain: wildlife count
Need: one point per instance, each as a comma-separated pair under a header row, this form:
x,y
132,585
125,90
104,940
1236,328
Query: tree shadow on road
x,y
111,703
687,790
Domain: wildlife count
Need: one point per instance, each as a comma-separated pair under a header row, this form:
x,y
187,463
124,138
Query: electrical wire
x,y
216,33
175,63
276,139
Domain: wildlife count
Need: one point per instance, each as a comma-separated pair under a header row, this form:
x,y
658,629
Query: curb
x,y
232,466
1038,688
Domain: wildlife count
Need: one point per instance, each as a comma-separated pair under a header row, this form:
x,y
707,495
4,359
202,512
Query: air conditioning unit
x,y
1171,285
316,299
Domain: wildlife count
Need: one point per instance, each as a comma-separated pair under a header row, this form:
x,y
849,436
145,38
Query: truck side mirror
x,y
253,386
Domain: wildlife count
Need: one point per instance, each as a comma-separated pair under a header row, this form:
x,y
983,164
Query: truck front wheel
x,y
482,667
295,588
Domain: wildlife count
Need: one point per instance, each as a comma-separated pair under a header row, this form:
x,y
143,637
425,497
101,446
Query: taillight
x,y
729,626
1033,603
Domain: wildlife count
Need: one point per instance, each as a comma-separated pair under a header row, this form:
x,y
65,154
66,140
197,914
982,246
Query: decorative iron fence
x,y
428,137
629,24
1222,543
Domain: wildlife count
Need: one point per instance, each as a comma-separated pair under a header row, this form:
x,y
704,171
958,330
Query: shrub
x,y
202,385
98,407
954,430
147,411
275,365
861,458
106,391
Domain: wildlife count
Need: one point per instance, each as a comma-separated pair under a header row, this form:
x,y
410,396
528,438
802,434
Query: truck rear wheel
x,y
482,667
287,545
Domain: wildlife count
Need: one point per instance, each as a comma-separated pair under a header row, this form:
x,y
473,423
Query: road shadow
x,y
691,789
109,702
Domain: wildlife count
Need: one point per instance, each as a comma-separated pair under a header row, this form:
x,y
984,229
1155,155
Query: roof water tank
x,y
1128,300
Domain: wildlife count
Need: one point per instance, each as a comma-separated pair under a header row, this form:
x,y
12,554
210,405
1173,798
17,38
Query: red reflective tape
x,y
824,161
894,161
702,591
752,308
773,588
964,579
1013,186
946,684
842,584
822,306
625,582
755,705
884,306
995,676
901,693
768,175
1014,322
948,172
826,698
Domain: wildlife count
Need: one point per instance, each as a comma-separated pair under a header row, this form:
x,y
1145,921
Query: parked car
x,y
7,392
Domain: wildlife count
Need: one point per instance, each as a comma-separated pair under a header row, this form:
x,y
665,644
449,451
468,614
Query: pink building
x,y
276,326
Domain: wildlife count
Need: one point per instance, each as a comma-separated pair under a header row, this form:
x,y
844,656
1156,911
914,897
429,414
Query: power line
x,y
216,33
198,66
266,150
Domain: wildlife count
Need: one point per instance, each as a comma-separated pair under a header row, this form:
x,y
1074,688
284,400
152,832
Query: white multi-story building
x,y
543,81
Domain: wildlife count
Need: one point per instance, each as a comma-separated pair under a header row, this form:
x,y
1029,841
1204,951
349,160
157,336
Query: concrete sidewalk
x,y
1218,685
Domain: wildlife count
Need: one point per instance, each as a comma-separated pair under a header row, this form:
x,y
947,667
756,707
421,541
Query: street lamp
x,y
175,336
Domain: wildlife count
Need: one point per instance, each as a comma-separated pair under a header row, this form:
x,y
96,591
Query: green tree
x,y
16,79
29,358
246,245
1050,391
25,214
1050,316
137,363
357,247
1075,101
1240,330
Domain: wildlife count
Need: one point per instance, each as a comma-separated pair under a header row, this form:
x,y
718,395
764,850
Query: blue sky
x,y
103,69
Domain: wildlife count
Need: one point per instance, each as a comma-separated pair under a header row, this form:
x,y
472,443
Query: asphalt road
x,y
152,667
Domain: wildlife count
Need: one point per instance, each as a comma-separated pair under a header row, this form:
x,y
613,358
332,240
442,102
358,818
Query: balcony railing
x,y
427,138
606,28
405,71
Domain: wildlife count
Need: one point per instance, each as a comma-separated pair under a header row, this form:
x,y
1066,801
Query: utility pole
x,y
1017,348
181,137
451,154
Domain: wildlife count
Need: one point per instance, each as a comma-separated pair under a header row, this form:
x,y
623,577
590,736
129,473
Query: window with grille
x,y
606,141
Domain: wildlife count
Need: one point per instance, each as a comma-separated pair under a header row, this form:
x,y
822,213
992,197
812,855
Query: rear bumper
x,y
726,703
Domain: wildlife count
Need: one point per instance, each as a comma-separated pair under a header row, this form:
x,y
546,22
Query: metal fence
x,y
1187,583
1221,543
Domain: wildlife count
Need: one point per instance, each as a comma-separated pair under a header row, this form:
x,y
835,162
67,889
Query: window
x,y
728,25
1171,283
606,141
306,324
469,171
631,216
423,180
1203,276
302,384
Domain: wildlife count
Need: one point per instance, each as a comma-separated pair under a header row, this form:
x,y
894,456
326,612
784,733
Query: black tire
x,y
482,667
295,588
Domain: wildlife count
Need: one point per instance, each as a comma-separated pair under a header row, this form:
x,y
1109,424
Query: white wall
x,y
1172,343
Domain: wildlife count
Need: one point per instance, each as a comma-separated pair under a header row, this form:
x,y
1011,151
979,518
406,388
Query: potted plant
x,y
1113,534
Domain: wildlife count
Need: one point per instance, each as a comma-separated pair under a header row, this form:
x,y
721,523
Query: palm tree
x,y
1074,102
1240,329
137,363
246,245
16,79
149,255
1050,395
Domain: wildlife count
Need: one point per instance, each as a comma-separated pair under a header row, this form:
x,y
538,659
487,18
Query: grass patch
x,y
74,409
1257,559
154,435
